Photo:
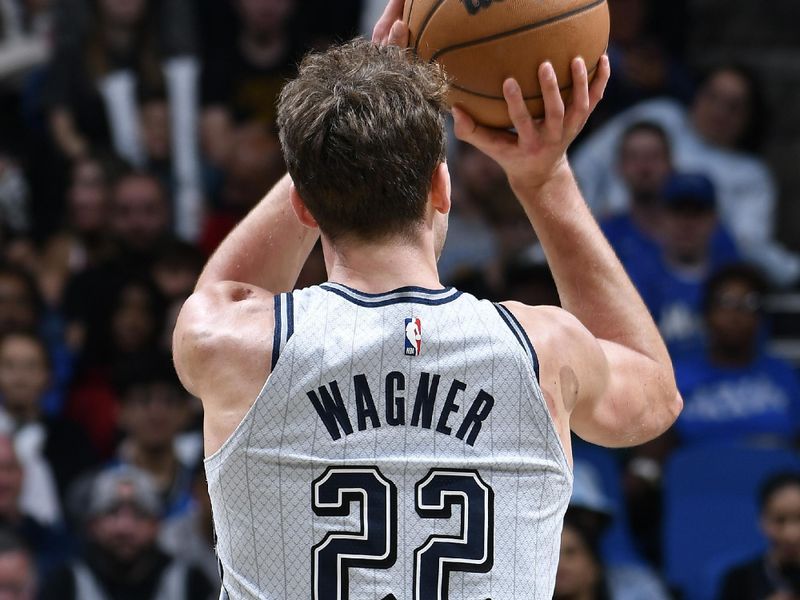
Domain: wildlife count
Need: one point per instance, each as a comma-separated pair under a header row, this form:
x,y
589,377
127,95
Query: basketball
x,y
481,43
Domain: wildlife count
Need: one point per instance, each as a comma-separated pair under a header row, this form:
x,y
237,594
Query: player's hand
x,y
537,151
390,28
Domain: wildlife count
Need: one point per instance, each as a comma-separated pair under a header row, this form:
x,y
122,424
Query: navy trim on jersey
x,y
520,334
289,316
276,340
409,295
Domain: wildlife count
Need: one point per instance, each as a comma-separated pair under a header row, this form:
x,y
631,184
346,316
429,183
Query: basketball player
x,y
380,436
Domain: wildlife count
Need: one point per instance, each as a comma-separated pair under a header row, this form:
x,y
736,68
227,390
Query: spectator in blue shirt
x,y
644,164
672,284
736,391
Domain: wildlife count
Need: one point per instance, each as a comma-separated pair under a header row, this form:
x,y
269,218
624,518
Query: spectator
x,y
91,86
154,411
472,249
84,241
251,168
716,136
644,163
643,67
139,222
53,450
121,560
127,332
241,82
593,512
49,544
17,569
20,302
191,535
736,391
774,575
672,284
580,569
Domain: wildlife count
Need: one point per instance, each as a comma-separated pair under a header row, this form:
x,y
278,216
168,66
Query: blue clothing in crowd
x,y
674,297
756,403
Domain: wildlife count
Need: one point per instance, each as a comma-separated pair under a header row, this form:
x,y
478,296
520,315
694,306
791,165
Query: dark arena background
x,y
135,134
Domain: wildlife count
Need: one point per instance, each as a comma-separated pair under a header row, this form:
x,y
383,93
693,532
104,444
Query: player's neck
x,y
382,267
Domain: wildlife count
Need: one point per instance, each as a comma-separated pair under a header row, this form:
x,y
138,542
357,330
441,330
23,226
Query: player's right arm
x,y
604,367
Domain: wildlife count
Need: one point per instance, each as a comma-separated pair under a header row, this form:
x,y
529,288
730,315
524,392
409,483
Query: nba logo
x,y
413,337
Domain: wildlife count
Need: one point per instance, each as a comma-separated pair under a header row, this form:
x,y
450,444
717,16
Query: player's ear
x,y
301,210
440,188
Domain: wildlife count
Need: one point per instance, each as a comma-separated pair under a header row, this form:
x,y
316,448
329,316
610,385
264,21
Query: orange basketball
x,y
481,43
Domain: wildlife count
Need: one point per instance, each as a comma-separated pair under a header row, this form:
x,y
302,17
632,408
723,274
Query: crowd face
x,y
687,233
733,316
265,16
480,176
644,164
17,308
17,577
88,197
24,374
139,212
10,479
154,414
126,533
722,108
780,521
156,129
133,323
123,13
578,572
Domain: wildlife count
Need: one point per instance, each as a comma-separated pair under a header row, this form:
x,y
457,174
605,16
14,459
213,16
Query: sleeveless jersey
x,y
401,449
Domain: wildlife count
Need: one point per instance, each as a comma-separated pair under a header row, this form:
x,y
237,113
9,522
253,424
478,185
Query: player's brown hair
x,y
362,130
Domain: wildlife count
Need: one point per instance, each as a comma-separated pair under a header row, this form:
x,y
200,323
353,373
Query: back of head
x,y
362,130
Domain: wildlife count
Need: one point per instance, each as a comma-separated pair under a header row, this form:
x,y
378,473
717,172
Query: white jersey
x,y
401,449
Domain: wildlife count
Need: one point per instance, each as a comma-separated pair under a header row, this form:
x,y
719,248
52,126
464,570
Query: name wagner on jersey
x,y
428,387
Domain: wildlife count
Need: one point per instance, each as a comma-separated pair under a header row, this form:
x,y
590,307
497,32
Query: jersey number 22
x,y
374,546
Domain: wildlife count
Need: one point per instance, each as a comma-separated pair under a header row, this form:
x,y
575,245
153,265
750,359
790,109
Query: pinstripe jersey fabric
x,y
401,449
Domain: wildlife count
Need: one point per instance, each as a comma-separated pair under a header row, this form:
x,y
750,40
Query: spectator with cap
x,y
671,285
736,391
121,560
18,579
774,574
718,135
644,163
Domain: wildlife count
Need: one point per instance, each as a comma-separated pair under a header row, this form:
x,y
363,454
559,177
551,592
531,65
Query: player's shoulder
x,y
224,323
544,322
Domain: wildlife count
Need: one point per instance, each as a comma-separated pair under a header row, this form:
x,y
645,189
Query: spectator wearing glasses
x,y
736,391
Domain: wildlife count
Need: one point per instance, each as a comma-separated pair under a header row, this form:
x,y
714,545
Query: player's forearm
x,y
267,249
592,284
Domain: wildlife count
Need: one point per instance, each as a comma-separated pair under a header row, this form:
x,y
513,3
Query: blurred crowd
x,y
135,134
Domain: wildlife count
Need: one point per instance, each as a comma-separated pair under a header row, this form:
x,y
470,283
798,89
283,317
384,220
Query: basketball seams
x,y
498,36
526,98
425,23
